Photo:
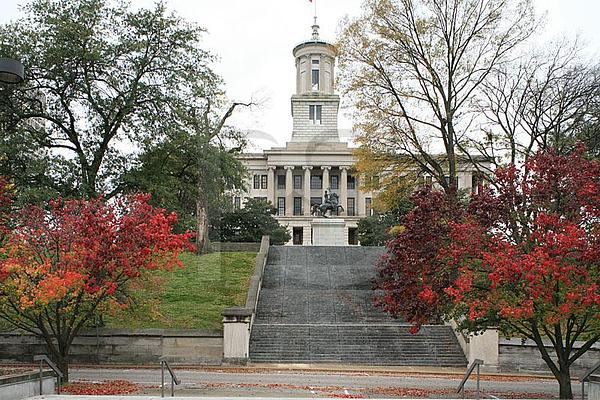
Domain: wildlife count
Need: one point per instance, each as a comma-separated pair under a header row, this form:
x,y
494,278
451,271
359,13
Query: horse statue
x,y
330,204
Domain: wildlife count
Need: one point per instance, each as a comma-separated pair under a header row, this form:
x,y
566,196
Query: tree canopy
x,y
103,79
60,267
377,229
411,69
249,224
523,256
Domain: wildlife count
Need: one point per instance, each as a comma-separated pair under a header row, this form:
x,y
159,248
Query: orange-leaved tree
x,y
62,264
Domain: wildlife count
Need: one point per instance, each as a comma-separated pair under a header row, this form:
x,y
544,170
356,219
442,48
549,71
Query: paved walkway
x,y
283,383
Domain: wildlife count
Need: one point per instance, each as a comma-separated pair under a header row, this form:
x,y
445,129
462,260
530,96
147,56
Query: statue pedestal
x,y
328,232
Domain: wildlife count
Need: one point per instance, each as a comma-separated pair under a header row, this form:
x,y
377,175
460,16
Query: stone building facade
x,y
315,160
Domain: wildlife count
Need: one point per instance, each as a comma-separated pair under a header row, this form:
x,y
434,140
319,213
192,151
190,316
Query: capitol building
x,y
296,177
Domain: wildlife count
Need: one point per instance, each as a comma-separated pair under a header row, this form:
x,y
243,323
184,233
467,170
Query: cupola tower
x,y
315,105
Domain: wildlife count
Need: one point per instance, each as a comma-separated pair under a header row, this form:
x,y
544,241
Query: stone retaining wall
x,y
515,356
22,386
117,346
231,247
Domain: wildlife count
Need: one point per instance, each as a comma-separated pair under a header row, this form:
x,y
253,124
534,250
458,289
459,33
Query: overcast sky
x,y
254,40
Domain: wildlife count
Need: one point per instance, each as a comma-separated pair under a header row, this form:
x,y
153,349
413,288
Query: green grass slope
x,y
191,297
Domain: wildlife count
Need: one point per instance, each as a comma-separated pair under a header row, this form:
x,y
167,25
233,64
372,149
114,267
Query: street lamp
x,y
11,71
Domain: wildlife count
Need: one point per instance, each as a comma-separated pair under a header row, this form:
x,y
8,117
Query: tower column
x,y
306,187
308,69
271,184
289,191
325,179
344,188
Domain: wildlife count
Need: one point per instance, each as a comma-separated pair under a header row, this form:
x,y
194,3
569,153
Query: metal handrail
x,y
174,380
461,388
586,376
43,358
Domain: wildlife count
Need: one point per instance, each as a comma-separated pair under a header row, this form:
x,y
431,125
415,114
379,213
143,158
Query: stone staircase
x,y
316,306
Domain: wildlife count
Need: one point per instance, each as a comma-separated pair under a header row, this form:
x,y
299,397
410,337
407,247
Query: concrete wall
x,y
233,247
593,388
237,321
15,387
517,357
114,346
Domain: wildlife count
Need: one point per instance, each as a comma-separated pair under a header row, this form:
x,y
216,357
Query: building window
x,y
237,202
280,181
281,206
256,181
316,182
315,75
425,181
351,209
476,182
297,205
351,182
335,182
368,206
315,80
353,236
315,201
298,235
447,179
260,198
314,114
297,181
263,181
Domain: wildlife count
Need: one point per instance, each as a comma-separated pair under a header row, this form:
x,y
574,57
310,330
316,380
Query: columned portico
x,y
289,191
326,169
344,188
271,184
306,187
360,197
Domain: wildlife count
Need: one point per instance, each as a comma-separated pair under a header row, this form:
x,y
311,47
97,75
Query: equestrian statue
x,y
331,205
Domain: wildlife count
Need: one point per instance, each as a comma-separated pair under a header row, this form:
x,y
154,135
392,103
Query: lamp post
x,y
11,71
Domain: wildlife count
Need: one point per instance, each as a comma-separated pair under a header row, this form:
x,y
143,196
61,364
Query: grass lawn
x,y
191,297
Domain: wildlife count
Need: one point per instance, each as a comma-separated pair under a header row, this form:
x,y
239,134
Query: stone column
x,y
271,184
360,197
289,188
325,179
344,188
306,187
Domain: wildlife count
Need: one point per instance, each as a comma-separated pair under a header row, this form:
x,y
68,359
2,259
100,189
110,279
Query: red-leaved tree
x,y
528,258
61,266
410,276
523,256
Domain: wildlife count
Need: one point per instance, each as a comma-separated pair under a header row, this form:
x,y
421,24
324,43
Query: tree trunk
x,y
63,365
202,241
564,382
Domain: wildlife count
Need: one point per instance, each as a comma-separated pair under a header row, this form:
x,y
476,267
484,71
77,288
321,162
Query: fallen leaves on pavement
x,y
117,387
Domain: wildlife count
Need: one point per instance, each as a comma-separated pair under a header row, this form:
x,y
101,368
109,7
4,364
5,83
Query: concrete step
x,y
316,305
